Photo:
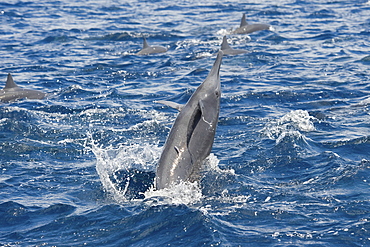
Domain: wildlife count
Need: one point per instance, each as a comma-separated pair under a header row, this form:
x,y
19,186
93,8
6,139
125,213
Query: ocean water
x,y
290,164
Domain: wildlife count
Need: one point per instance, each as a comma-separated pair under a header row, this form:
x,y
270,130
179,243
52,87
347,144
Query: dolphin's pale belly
x,y
183,161
175,162
176,166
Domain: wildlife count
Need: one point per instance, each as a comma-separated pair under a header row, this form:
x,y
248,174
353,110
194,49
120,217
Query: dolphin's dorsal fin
x,y
145,44
225,45
10,83
243,22
171,104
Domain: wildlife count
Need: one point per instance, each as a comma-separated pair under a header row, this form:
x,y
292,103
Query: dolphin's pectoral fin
x,y
202,122
202,108
171,104
209,114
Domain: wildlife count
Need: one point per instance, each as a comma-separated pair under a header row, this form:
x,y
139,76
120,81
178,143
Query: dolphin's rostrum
x,y
12,92
192,134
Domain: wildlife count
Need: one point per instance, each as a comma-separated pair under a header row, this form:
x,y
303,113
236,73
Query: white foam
x,y
224,32
211,164
183,193
292,124
144,157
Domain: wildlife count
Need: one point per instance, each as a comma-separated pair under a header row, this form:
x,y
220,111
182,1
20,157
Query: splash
x,y
291,124
224,32
212,164
127,173
183,193
121,168
192,193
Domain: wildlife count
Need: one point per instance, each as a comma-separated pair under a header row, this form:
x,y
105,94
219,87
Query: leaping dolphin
x,y
192,134
250,28
12,92
147,49
228,50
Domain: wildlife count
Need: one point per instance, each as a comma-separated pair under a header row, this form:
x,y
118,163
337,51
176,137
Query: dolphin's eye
x,y
217,93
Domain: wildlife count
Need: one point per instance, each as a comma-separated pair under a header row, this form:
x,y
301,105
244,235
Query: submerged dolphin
x,y
12,92
228,50
191,137
151,49
250,28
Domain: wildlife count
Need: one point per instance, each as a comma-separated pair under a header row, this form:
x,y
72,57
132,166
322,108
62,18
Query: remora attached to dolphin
x,y
12,92
147,49
192,134
250,28
228,50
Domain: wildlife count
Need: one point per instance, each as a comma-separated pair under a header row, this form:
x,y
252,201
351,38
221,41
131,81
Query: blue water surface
x,y
290,164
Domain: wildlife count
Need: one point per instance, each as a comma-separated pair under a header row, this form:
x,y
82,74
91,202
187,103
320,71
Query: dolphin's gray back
x,y
252,28
20,93
249,28
227,50
12,92
147,49
152,50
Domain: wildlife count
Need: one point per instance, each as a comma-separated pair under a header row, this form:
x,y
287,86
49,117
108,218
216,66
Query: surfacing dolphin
x,y
192,134
228,50
12,92
147,49
250,28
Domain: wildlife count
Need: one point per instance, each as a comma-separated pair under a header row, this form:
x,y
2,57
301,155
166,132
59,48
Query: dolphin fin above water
x,y
10,82
171,104
191,137
250,28
228,50
147,49
12,92
145,44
